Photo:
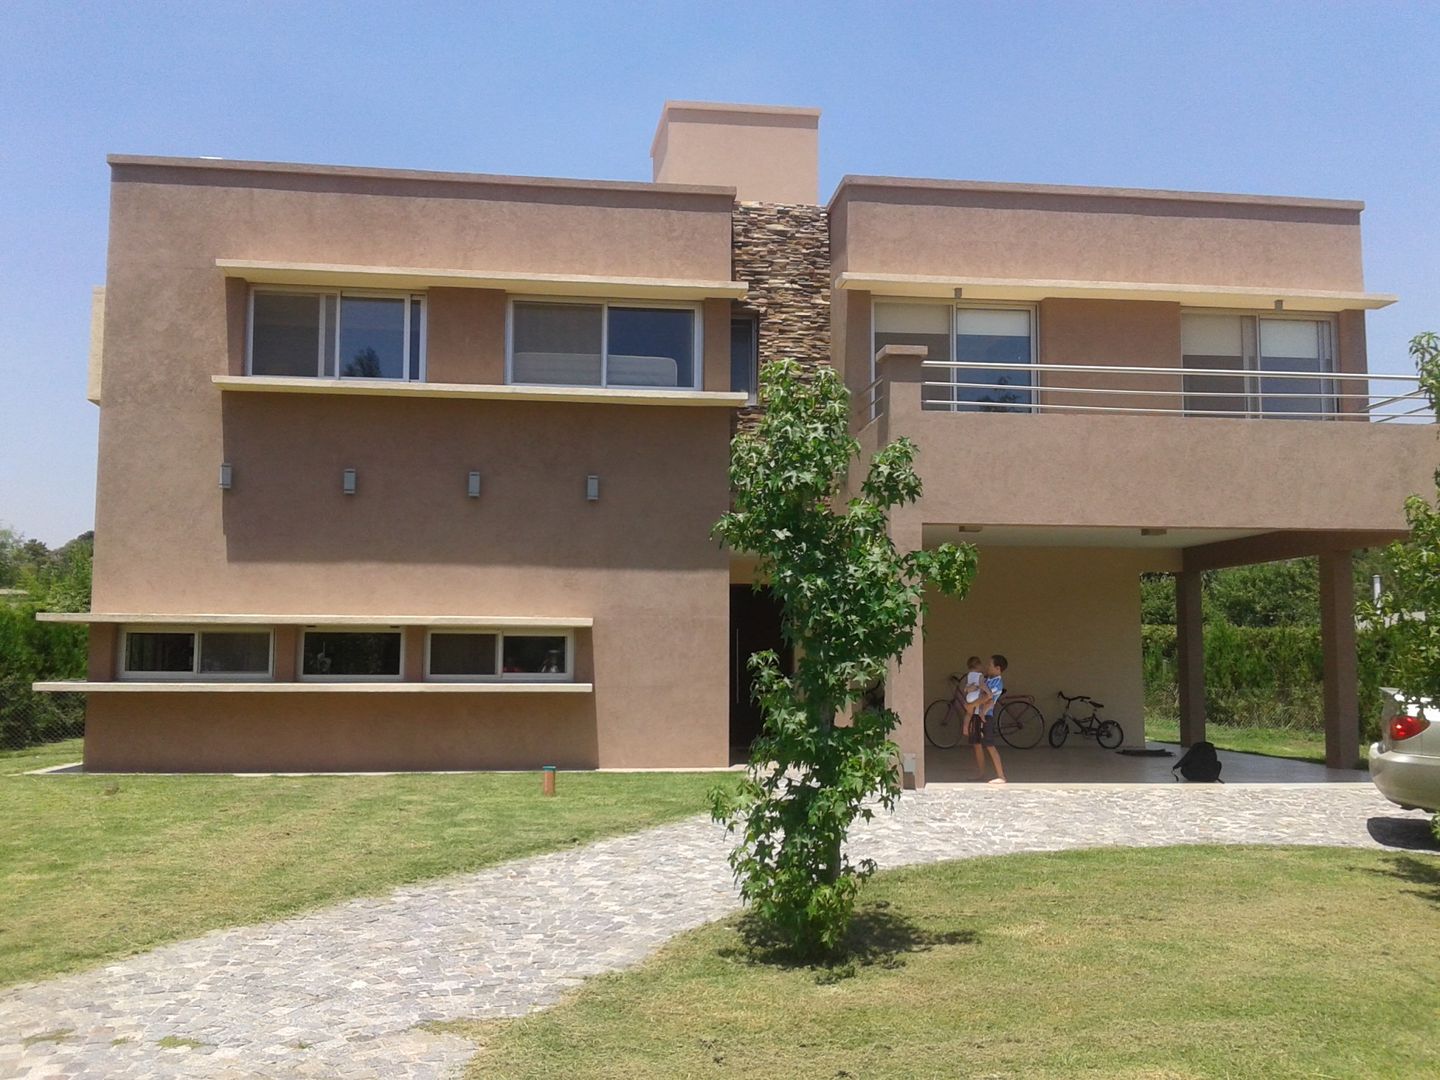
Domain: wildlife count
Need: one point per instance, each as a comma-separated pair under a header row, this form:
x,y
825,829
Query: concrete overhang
x,y
338,275
439,622
580,395
1032,289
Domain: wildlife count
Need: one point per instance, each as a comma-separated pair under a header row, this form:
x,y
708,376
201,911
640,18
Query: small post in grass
x,y
547,780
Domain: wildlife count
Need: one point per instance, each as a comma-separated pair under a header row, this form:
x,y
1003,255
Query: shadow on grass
x,y
879,937
1411,834
1422,872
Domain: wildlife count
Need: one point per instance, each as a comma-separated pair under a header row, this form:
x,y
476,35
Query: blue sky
x,y
1323,99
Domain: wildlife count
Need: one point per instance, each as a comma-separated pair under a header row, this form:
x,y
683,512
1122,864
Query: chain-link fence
x,y
30,719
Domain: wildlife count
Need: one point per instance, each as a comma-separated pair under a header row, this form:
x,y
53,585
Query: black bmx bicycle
x,y
1108,733
1017,720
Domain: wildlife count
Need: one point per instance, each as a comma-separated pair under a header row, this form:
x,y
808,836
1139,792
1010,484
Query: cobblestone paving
x,y
340,993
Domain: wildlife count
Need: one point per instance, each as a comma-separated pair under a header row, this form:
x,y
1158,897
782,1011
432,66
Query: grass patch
x,y
177,1042
97,867
1175,962
1300,745
14,762
58,1035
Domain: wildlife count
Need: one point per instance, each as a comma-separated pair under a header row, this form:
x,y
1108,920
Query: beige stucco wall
x,y
1057,469
1134,333
639,561
344,732
1066,619
1086,234
767,153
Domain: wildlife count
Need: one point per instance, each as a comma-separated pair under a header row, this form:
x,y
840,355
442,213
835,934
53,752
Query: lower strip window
x,y
480,655
180,654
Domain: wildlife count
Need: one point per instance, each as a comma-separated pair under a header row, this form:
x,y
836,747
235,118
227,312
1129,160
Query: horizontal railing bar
x,y
1048,388
946,406
1338,376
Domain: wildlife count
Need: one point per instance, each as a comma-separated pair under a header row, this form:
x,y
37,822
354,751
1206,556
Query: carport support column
x,y
905,680
1190,653
1337,643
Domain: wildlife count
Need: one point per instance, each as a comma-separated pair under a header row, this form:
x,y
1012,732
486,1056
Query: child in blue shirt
x,y
982,731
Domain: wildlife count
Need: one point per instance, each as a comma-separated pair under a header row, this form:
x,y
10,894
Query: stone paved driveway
x,y
340,992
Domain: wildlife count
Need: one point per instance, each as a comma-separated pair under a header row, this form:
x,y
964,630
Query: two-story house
x,y
409,470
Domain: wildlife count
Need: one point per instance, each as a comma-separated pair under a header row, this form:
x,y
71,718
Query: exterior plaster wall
x,y
285,540
1134,333
1066,619
1003,231
1162,471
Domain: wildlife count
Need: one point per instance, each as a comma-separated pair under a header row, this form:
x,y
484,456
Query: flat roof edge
x,y
363,172
854,182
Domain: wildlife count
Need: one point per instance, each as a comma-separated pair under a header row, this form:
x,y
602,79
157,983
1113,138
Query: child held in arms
x,y
974,684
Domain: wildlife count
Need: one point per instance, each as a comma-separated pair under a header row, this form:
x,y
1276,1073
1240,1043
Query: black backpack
x,y
1200,765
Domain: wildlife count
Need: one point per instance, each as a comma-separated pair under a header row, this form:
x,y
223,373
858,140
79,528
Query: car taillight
x,y
1406,727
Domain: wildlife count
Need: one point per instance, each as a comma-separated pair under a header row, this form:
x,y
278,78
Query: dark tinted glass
x,y
335,652
534,655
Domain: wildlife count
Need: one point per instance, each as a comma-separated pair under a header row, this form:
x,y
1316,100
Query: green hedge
x,y
30,651
1258,676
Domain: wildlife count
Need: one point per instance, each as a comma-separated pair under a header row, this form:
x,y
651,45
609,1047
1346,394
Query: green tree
x,y
851,602
1425,351
1409,606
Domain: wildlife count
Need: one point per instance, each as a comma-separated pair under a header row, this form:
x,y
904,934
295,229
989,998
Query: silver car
x,y
1405,763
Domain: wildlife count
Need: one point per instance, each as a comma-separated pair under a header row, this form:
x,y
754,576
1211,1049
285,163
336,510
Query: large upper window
x,y
351,654
962,333
614,344
1252,345
468,655
179,654
352,335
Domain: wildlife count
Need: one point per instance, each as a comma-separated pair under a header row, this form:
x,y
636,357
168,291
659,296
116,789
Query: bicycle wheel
x,y
1110,734
943,724
1058,730
1020,724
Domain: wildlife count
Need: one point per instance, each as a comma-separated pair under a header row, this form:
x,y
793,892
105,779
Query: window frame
x,y
955,306
501,675
123,672
752,322
301,676
695,307
416,299
1254,400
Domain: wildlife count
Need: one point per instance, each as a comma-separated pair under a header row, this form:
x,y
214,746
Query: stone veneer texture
x,y
782,252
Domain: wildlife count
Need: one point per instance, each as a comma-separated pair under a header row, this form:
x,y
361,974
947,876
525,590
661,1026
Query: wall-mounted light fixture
x,y
1153,532
472,485
348,482
227,475
959,294
1279,305
592,488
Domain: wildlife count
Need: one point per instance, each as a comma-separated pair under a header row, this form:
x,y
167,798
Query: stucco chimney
x,y
768,153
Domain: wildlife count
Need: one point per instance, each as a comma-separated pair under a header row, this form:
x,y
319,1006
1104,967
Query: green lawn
x,y
1273,742
95,867
1176,962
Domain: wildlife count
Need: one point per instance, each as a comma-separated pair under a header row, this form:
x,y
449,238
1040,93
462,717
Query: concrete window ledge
x,y
186,686
595,395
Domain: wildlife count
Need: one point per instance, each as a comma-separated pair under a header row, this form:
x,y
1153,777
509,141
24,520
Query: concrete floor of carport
x,y
1085,764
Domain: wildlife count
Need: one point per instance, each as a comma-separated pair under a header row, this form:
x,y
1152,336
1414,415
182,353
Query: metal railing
x,y
1246,392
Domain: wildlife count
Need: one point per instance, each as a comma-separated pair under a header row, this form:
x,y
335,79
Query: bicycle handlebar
x,y
1070,700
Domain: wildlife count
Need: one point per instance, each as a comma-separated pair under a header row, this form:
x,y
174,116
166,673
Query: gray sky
x,y
1329,99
